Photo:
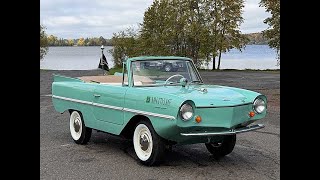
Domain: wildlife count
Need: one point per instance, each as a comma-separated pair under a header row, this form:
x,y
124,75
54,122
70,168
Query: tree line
x,y
94,41
254,38
257,38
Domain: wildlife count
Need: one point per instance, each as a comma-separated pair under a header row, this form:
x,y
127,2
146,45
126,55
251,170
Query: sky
x,y
72,19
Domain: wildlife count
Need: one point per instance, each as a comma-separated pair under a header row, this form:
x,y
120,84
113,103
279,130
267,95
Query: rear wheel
x,y
148,145
223,148
79,132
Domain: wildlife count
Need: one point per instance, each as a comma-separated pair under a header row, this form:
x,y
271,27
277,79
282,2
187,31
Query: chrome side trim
x,y
223,106
149,113
108,106
116,107
230,132
71,99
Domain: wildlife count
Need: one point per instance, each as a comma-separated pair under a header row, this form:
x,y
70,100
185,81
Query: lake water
x,y
87,58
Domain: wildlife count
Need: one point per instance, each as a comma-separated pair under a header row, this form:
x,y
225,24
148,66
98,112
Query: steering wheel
x,y
176,75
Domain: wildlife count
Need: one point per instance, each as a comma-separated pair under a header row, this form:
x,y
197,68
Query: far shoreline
x,y
112,45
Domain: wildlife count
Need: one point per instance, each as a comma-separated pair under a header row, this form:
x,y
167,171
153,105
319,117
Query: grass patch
x,y
114,70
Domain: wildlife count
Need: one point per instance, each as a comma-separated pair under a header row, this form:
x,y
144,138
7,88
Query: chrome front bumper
x,y
230,132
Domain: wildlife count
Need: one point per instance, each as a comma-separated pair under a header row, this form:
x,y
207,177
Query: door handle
x,y
96,95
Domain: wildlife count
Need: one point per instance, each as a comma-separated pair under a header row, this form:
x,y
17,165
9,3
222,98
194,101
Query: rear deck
x,y
115,80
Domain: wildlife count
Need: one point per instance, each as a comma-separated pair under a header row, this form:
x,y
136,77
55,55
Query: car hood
x,y
209,95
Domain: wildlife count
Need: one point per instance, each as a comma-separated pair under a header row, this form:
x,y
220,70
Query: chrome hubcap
x,y
76,125
144,142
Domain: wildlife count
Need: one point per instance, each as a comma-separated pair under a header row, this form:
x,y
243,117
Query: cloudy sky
x,y
94,18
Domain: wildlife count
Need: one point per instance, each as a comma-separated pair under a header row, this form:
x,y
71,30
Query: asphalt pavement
x,y
255,156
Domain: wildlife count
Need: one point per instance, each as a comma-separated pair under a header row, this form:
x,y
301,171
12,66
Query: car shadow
x,y
195,155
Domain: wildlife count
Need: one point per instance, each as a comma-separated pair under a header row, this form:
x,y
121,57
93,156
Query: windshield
x,y
157,72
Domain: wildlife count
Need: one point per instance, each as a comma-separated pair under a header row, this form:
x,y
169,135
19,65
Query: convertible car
x,y
158,109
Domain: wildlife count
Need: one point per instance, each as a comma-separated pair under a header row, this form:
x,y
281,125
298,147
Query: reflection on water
x,y
87,58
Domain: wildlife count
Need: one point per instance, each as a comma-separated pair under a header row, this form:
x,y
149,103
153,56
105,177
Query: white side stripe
x,y
70,99
108,106
148,113
115,107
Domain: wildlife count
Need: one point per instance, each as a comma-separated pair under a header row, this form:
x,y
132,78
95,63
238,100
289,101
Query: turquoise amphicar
x,y
158,101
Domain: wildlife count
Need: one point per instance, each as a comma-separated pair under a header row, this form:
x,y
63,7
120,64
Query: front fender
x,y
161,108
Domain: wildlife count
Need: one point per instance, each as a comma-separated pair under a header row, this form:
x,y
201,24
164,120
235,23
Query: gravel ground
x,y
256,154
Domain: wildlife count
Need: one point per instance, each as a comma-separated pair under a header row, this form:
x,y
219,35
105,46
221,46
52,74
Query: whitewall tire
x,y
79,132
148,145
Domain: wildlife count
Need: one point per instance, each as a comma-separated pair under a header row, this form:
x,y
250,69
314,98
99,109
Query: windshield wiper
x,y
197,81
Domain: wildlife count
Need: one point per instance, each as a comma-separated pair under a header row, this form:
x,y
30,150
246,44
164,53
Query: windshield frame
x,y
154,85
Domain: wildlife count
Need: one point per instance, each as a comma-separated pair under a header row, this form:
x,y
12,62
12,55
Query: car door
x,y
108,103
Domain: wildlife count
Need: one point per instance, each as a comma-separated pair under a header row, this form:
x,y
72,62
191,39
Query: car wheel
x,y
221,149
148,145
79,132
168,67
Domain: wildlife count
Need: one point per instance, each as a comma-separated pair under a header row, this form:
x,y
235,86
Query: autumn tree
x,y
198,29
230,21
194,28
81,42
43,42
70,42
223,19
211,31
273,31
52,40
172,27
154,29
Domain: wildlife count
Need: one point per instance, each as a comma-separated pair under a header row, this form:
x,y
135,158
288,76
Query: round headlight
x,y
259,105
186,111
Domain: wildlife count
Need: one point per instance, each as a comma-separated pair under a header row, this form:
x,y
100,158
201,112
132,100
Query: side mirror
x,y
183,82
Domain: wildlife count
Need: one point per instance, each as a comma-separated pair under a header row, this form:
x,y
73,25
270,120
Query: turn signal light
x,y
198,119
251,114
